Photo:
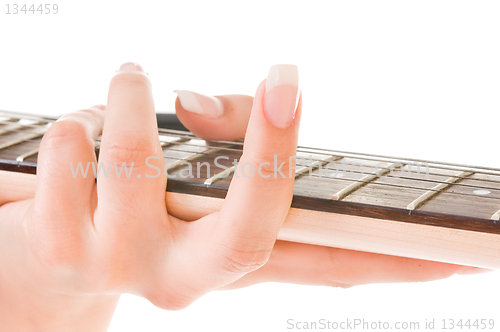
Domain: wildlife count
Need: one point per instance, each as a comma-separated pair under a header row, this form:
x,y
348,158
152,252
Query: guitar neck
x,y
399,206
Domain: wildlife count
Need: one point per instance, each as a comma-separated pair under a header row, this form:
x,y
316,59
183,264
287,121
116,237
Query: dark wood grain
x,y
457,207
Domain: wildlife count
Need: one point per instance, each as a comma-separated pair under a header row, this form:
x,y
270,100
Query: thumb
x,y
216,118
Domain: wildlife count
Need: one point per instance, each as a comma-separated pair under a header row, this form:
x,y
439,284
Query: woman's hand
x,y
67,254
226,118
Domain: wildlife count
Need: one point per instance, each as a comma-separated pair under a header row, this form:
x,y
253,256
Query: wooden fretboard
x,y
445,195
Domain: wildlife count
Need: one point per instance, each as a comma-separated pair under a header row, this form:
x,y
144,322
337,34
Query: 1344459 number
x,y
27,9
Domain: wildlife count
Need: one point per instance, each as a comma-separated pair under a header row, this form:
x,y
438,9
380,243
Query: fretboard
x,y
400,189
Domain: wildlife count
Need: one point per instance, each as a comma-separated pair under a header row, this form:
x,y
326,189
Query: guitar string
x,y
178,133
14,115
192,137
353,171
436,165
183,134
370,182
306,165
313,175
331,169
377,183
386,157
339,155
384,184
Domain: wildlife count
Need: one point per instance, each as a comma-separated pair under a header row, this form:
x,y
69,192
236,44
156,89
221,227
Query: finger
x,y
259,196
219,117
306,264
64,169
129,145
223,246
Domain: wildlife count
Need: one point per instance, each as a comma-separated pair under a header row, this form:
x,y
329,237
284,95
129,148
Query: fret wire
x,y
350,154
327,168
406,187
300,172
434,164
363,182
23,131
402,177
236,143
496,216
27,155
373,183
220,176
171,131
193,157
353,155
430,173
409,159
179,132
434,191
316,164
30,125
27,116
11,125
18,141
384,184
353,171
386,161
12,120
178,141
28,138
388,185
392,176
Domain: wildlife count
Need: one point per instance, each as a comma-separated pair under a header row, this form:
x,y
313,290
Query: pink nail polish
x,y
100,107
131,66
282,94
197,103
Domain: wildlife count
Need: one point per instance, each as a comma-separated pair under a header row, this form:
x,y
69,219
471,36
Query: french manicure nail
x,y
100,107
200,104
131,66
472,270
282,94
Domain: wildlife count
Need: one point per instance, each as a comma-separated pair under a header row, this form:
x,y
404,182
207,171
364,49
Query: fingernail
x,y
100,107
200,104
131,66
472,270
282,94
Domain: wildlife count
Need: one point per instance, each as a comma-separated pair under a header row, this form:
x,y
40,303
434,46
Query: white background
x,y
410,79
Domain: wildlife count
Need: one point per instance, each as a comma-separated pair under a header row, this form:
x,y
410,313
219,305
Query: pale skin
x,y
67,254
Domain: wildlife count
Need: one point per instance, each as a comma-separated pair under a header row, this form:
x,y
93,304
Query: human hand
x,y
79,244
225,118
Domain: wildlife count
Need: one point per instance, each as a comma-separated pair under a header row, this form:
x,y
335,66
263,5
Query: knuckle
x,y
129,147
63,131
269,165
130,80
266,170
333,278
241,261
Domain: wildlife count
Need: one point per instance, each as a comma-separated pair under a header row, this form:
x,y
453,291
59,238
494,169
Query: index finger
x,y
261,190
